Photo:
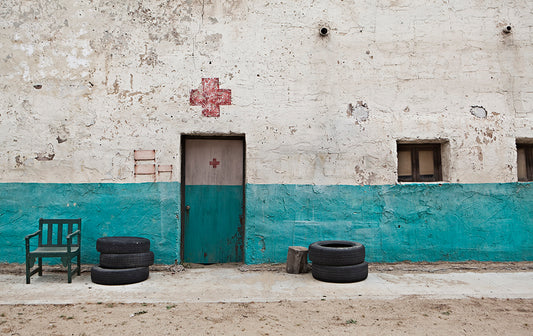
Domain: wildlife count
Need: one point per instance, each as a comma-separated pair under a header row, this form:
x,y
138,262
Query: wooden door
x,y
212,229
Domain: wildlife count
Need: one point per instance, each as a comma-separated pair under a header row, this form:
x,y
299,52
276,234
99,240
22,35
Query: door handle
x,y
187,208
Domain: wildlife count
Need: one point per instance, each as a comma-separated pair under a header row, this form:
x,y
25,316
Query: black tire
x,y
340,274
126,260
121,245
106,276
336,253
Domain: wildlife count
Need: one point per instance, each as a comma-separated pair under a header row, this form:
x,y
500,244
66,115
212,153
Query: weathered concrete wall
x,y
149,210
417,222
84,83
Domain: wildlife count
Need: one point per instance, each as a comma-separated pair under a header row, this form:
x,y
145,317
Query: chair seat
x,y
53,251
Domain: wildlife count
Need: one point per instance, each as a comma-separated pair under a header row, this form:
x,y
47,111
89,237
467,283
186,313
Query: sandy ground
x,y
393,268
411,315
407,316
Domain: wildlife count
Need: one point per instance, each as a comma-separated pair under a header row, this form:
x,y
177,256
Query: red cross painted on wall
x,y
214,163
210,97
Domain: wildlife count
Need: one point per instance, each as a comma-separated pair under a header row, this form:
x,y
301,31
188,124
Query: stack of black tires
x,y
123,260
338,261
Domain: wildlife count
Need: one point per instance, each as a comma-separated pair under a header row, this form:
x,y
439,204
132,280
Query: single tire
x,y
107,276
340,274
126,260
336,253
116,245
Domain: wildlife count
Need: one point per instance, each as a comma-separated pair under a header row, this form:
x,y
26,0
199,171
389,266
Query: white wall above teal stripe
x,y
84,84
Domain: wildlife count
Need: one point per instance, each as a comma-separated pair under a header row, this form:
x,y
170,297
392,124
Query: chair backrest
x,y
54,231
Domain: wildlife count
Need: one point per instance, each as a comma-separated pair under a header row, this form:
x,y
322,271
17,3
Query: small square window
x,y
525,162
419,163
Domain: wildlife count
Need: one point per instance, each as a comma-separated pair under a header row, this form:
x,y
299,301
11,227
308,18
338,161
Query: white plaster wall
x,y
116,76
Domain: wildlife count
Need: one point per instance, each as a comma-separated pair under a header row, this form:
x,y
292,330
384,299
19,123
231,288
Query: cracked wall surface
x,y
85,82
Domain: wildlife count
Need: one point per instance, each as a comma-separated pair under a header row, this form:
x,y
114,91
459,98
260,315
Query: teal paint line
x,y
416,222
148,210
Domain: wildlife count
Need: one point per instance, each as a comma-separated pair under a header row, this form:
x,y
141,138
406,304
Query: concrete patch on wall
x,y
478,111
360,111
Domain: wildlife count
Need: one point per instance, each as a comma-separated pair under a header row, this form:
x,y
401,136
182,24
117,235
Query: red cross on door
x,y
210,97
214,163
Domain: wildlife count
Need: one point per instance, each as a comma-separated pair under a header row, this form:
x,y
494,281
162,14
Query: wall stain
x,y
360,111
19,161
116,87
149,57
44,157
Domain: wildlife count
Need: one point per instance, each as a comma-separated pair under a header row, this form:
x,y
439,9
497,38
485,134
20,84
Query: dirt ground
x,y
406,316
392,268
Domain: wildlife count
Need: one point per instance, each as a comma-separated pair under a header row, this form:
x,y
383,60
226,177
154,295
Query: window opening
x,y
419,163
525,162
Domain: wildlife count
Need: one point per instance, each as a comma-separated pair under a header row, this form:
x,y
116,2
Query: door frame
x,y
242,227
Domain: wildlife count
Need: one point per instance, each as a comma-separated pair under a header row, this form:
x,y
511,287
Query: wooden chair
x,y
53,244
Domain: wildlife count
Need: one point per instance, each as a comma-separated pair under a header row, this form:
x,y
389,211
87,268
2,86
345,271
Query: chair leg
x,y
79,264
69,272
40,266
27,271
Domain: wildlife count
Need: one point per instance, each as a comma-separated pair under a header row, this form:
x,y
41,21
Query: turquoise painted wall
x,y
212,230
417,222
107,209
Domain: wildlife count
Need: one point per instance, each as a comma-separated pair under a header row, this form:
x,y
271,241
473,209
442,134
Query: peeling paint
x,y
360,111
149,58
44,157
19,161
210,97
294,94
478,111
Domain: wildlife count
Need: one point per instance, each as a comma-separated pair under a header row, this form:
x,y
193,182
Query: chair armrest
x,y
69,239
27,238
77,232
32,235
